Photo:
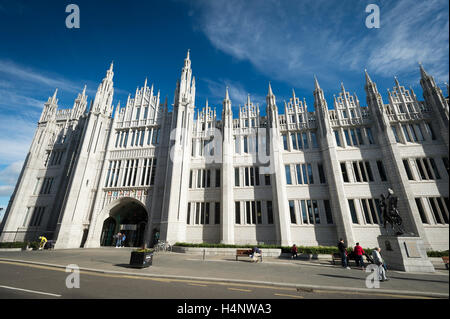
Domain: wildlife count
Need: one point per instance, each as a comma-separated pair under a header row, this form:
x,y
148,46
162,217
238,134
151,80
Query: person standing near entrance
x,y
122,244
119,240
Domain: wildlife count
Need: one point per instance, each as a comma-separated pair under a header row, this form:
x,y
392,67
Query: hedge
x,y
437,253
313,250
20,244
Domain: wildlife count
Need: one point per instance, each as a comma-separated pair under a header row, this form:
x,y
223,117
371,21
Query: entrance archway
x,y
129,217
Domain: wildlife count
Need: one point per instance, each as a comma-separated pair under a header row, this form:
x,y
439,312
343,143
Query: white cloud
x,y
16,133
290,41
238,93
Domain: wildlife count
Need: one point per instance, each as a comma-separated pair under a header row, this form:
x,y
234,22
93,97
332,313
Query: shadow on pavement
x,y
338,276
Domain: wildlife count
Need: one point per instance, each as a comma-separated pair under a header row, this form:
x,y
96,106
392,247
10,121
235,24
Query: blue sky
x,y
242,44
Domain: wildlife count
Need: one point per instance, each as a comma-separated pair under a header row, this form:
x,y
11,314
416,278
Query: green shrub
x,y
16,244
437,253
315,250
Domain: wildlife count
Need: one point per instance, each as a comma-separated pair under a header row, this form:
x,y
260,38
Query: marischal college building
x,y
300,177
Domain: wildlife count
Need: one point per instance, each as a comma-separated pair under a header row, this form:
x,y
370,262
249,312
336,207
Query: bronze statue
x,y
390,213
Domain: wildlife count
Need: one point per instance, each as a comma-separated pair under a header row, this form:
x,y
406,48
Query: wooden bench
x,y
445,260
335,257
245,252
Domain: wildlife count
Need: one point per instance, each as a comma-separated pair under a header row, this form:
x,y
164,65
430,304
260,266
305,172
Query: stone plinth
x,y
405,253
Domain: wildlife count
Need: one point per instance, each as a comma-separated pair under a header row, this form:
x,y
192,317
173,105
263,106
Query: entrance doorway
x,y
128,218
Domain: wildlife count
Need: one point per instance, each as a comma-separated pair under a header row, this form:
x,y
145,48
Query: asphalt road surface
x,y
23,281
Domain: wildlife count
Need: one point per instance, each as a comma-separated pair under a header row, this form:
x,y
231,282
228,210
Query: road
x,y
26,281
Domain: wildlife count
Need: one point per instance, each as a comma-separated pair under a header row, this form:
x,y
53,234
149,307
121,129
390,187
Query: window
x,y
288,174
356,171
418,132
344,172
206,222
237,210
408,170
292,212
347,138
328,213
37,216
351,204
446,164
370,135
245,144
434,209
258,212
305,141
197,213
421,210
314,140
321,174
217,177
353,135
236,176
190,179
430,131
267,179
294,141
217,213
304,211
394,130
236,145
338,139
310,174
188,216
369,171
285,142
316,212
269,212
406,132
435,170
359,135
381,171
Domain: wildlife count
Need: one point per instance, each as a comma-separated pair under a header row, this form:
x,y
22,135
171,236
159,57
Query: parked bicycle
x,y
162,246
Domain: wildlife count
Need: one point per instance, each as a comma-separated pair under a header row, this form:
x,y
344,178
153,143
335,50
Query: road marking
x,y
197,285
31,291
237,289
293,296
371,294
168,280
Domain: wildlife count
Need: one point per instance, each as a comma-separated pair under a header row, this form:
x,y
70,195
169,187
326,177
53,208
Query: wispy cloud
x,y
16,133
238,93
291,40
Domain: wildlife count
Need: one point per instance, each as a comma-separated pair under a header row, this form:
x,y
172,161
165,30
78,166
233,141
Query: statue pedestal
x,y
405,253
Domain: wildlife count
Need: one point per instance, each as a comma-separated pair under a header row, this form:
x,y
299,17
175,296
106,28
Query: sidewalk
x,y
319,275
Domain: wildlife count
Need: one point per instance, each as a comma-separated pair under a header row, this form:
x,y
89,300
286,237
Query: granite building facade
x,y
296,176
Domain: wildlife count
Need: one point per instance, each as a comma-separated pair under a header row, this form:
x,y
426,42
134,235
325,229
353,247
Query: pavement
x,y
304,275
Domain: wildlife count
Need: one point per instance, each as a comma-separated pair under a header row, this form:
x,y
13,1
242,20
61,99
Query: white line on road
x,y
31,291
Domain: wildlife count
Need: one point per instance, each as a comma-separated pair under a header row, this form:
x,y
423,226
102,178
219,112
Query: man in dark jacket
x,y
343,252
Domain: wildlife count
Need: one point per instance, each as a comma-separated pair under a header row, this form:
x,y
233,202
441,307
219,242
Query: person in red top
x,y
294,251
359,252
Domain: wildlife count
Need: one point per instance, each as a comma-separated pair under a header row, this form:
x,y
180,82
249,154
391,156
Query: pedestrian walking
x,y
359,252
378,260
123,240
294,251
343,251
119,239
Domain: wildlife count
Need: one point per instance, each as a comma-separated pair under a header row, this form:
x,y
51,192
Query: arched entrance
x,y
129,217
